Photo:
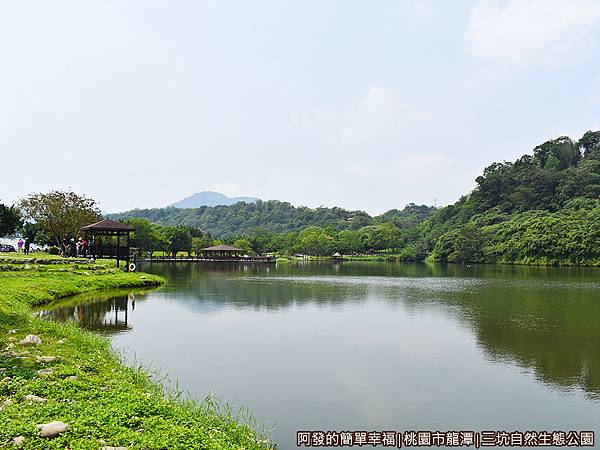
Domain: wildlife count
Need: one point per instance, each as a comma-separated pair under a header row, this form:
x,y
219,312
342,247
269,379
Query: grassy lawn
x,y
77,379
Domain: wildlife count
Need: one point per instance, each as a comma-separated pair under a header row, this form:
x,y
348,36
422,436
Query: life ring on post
x,y
131,267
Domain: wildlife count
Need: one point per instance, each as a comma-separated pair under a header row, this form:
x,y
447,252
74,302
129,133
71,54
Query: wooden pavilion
x,y
101,238
222,252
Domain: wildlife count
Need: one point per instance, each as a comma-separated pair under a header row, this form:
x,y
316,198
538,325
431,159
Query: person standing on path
x,y
27,245
20,245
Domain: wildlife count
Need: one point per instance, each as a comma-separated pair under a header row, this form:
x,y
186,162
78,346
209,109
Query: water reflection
x,y
106,313
544,320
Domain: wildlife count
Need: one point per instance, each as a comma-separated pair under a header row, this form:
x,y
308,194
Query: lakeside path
x,y
74,377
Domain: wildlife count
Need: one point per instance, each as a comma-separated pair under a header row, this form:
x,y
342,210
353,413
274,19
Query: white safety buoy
x,y
132,267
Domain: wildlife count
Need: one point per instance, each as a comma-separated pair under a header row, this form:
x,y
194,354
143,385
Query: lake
x,y
369,346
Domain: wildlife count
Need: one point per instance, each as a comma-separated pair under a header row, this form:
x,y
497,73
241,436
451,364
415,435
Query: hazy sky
x,y
362,104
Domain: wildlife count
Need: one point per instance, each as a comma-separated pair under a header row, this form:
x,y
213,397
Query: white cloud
x,y
413,167
378,116
526,33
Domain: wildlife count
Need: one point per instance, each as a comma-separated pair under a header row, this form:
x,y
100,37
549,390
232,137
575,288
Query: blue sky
x,y
365,105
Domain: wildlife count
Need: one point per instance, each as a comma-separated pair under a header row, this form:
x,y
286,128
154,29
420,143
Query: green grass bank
x,y
73,376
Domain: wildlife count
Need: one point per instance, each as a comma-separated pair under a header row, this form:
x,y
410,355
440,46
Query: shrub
x,y
53,250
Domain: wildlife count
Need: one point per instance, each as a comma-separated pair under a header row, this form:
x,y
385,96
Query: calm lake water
x,y
370,346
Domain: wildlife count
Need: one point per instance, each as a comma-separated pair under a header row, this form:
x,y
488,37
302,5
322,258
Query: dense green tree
x,y
201,242
180,239
260,239
590,144
348,242
61,214
460,245
314,241
245,244
35,234
557,154
147,236
285,243
410,216
390,235
10,219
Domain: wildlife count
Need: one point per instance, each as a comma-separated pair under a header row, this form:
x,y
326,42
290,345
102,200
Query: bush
x,y
53,250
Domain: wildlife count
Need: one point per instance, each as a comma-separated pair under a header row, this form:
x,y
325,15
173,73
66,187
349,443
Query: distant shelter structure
x,y
221,251
109,239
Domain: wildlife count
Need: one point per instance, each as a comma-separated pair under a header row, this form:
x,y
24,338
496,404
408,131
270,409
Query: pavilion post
x,y
128,249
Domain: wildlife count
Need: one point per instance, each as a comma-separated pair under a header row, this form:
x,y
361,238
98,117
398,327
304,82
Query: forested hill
x,y
543,208
273,216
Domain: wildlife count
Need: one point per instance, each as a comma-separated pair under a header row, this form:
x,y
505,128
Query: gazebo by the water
x,y
221,251
101,243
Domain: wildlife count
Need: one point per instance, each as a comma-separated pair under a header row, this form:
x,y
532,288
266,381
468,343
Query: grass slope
x,y
103,402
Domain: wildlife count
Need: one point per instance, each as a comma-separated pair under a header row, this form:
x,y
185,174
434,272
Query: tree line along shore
x,y
542,209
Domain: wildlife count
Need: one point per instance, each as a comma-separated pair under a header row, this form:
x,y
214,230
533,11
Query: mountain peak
x,y
210,198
